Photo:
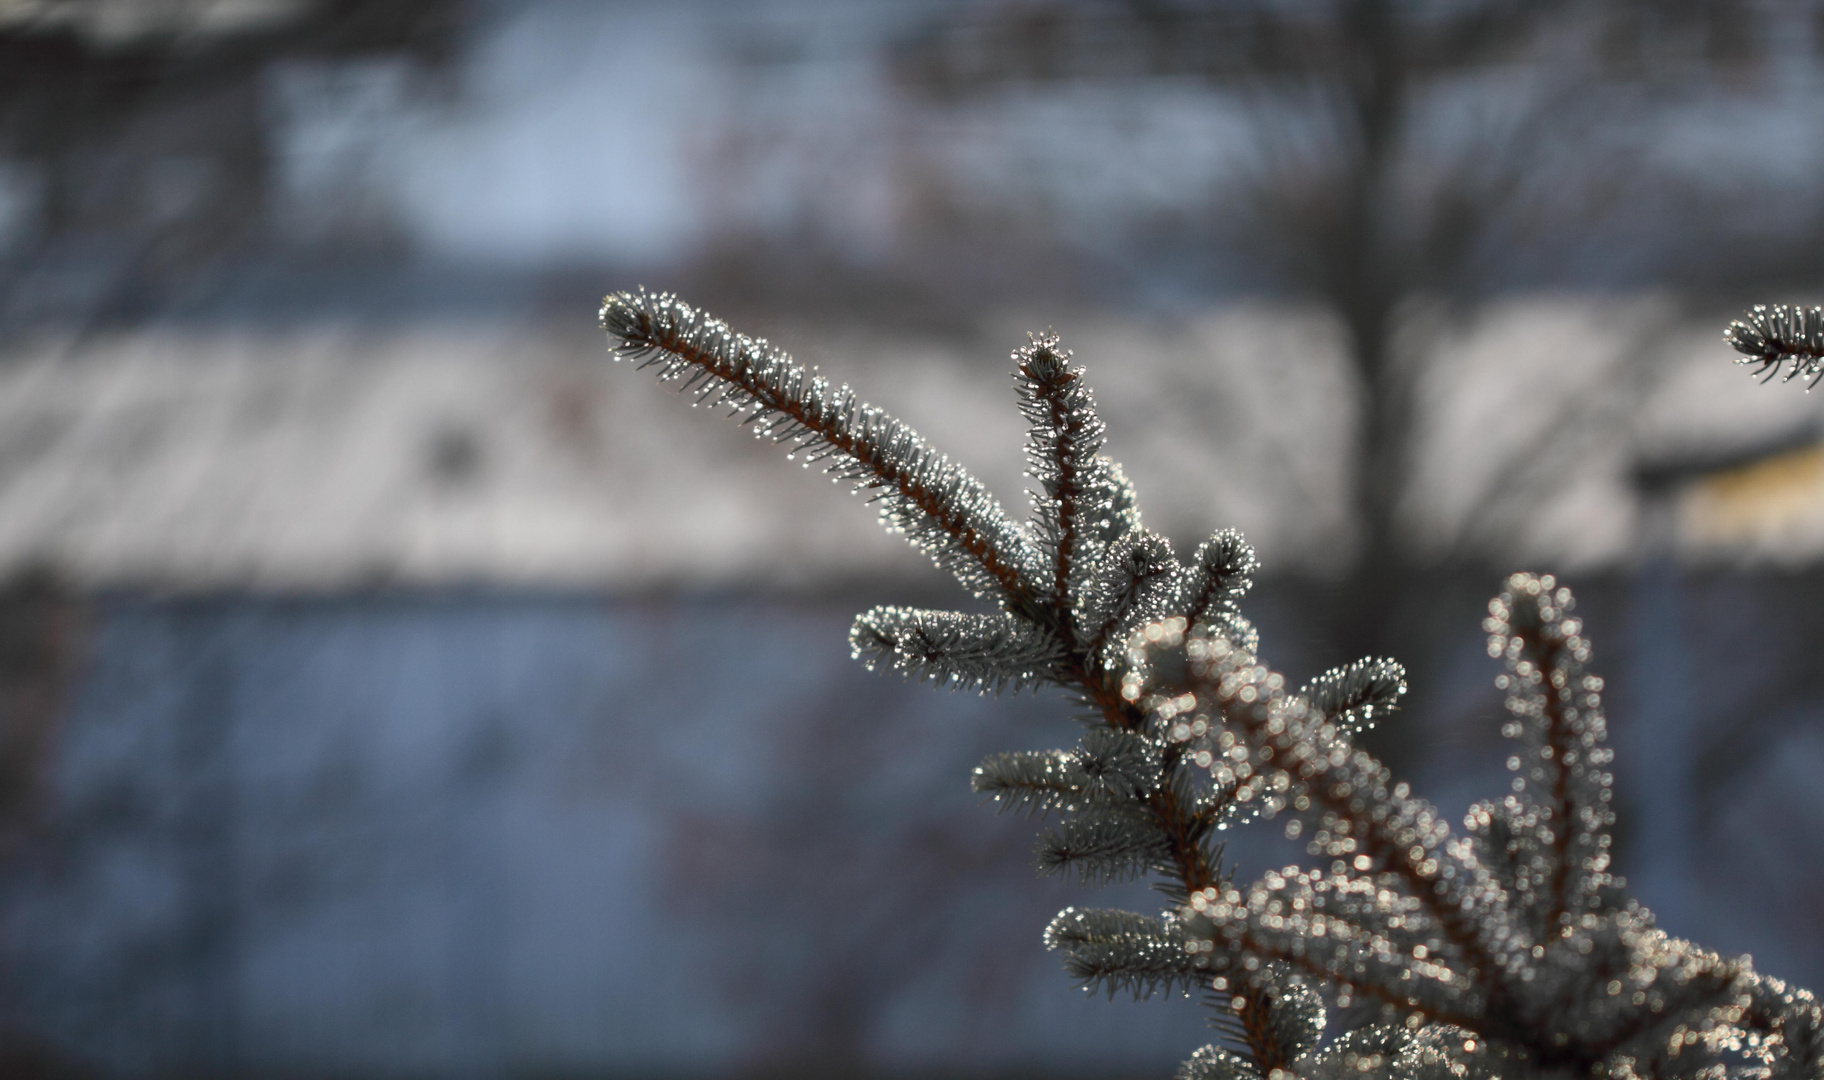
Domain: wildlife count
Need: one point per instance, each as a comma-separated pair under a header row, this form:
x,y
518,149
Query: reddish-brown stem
x,y
1545,656
1068,496
1178,822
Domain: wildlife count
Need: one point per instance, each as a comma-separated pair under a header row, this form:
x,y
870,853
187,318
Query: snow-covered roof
x,y
120,21
512,452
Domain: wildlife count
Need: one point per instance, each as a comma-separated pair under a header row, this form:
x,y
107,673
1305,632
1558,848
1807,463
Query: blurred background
x,y
390,686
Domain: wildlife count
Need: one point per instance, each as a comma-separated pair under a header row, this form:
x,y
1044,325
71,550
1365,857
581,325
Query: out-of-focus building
x,y
510,451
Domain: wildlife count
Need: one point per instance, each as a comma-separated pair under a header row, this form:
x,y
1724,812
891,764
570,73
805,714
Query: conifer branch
x,y
1105,844
1220,573
944,511
1032,782
1285,1014
986,653
1773,336
1272,741
1121,950
1432,929
1509,949
1132,583
1118,764
1216,1063
1064,441
1557,712
1116,509
1352,697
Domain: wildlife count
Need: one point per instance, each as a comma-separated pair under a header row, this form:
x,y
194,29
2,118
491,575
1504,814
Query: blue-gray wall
x,y
493,833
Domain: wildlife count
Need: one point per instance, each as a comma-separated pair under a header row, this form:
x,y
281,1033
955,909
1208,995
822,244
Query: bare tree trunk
x,y
1364,279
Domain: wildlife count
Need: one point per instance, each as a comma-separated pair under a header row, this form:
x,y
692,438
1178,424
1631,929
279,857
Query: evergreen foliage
x,y
1774,336
1506,949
